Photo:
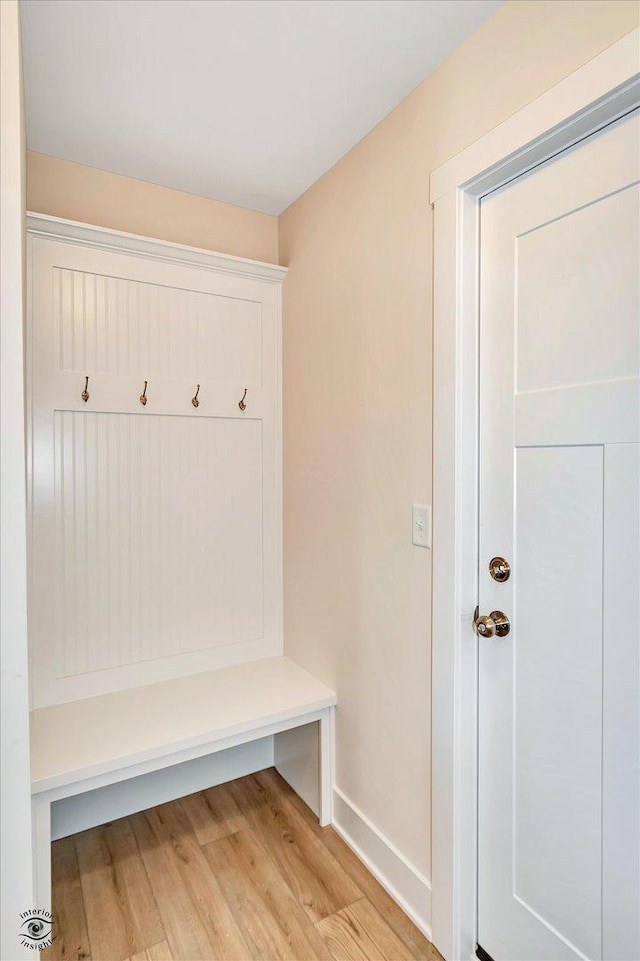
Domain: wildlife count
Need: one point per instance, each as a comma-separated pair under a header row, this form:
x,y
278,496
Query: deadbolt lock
x,y
499,569
487,625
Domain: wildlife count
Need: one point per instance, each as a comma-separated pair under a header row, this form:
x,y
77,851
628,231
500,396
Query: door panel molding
x,y
592,97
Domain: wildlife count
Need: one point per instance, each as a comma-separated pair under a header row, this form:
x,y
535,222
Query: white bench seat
x,y
82,745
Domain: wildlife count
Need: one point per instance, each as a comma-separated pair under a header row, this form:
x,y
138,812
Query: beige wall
x,y
92,196
357,398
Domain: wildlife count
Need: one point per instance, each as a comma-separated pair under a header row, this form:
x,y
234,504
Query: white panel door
x,y
155,536
559,695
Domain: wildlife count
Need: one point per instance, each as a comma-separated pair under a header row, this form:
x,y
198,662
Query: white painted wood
x,y
560,305
305,757
327,776
547,803
81,811
156,544
556,739
555,347
118,326
160,520
454,591
104,734
406,885
41,820
16,875
297,759
621,702
608,410
167,759
521,140
104,238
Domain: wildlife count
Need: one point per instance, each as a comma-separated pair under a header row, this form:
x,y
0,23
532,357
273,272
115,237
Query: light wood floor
x,y
242,871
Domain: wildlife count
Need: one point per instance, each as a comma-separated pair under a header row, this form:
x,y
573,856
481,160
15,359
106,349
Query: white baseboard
x,y
406,885
83,811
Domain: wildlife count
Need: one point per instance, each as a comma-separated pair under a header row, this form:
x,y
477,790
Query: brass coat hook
x,y
194,399
85,392
242,404
143,395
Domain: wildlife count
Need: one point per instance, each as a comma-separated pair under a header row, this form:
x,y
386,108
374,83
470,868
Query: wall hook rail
x,y
143,395
194,399
242,404
85,392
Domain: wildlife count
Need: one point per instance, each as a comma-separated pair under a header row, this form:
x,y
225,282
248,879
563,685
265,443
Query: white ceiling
x,y
248,101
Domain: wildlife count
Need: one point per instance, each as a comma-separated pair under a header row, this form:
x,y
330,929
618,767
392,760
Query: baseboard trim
x,y
406,885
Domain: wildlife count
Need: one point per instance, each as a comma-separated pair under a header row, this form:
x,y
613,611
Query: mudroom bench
x,y
97,741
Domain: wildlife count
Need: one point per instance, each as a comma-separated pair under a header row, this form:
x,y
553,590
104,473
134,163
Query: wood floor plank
x,y
213,814
264,937
157,952
359,933
281,887
316,879
420,947
246,873
285,909
186,935
71,938
122,917
197,919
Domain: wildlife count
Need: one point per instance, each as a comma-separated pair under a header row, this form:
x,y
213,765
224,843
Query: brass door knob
x,y
499,569
486,625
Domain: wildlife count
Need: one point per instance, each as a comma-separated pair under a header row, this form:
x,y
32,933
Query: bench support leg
x,y
326,725
41,814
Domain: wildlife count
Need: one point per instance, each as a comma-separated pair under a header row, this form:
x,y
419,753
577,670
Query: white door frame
x,y
16,878
595,95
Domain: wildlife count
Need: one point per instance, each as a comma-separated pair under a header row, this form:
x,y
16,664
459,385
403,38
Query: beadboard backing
x,y
149,570
119,326
155,545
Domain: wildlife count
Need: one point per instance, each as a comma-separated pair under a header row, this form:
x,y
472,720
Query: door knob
x,y
499,569
489,624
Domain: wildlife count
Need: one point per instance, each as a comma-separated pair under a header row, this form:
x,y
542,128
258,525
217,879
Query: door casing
x,y
599,92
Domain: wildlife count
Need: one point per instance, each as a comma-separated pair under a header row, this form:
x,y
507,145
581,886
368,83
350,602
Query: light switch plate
x,y
422,525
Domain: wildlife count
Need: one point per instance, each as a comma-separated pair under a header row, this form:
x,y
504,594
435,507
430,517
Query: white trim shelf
x,y
118,241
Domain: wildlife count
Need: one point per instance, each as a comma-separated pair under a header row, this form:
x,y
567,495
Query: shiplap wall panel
x,y
155,534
